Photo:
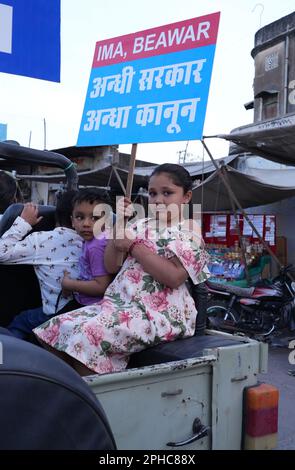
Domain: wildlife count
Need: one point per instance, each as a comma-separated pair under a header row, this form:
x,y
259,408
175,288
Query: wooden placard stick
x,y
130,182
131,171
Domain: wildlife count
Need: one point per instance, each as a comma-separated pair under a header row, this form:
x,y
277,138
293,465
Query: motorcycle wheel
x,y
217,315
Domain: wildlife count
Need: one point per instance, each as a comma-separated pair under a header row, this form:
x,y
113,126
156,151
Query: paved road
x,y
278,367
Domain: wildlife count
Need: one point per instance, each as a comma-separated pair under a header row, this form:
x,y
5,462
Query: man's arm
x,y
15,249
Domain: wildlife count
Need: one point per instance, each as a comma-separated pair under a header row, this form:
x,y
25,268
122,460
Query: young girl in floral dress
x,y
148,301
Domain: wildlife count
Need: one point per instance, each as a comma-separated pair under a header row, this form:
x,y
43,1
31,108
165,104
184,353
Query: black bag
x,y
45,404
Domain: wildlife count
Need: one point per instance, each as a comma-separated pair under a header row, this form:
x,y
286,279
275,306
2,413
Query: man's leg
x,y
23,324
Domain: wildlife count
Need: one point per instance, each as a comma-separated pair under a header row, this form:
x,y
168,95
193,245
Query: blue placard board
x,y
150,86
3,132
30,38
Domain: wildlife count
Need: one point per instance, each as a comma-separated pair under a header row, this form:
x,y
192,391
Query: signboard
x,y
3,132
150,86
30,38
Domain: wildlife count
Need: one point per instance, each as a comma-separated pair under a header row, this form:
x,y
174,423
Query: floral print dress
x,y
137,311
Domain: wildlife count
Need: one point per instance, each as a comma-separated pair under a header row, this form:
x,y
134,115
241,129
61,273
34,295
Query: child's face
x,y
163,193
83,219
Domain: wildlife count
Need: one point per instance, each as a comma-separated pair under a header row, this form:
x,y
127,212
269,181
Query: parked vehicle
x,y
187,394
44,403
260,310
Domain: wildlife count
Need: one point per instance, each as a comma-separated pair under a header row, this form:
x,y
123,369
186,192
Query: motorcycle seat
x,y
239,291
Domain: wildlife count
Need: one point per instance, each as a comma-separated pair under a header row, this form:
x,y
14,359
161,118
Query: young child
x,y
148,302
93,278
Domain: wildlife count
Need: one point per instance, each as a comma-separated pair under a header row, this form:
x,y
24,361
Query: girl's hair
x,y
9,190
179,175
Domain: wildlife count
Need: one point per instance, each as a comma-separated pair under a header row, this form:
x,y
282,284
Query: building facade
x,y
274,97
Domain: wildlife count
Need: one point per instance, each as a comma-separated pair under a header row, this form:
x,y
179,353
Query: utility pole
x,y
181,160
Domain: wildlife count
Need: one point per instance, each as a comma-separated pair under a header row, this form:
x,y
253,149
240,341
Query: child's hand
x,y
124,208
123,240
66,282
66,293
30,214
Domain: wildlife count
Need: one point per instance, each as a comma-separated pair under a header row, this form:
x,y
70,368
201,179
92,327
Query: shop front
x,y
237,255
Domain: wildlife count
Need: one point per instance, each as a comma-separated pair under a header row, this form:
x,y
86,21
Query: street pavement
x,y
278,375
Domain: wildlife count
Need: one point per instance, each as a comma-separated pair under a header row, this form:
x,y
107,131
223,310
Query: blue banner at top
x,y
30,38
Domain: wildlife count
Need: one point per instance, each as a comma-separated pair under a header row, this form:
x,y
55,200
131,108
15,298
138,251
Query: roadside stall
x,y
242,244
227,263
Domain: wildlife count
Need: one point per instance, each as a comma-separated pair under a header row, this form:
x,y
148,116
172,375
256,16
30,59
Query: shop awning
x,y
284,177
250,191
272,139
105,174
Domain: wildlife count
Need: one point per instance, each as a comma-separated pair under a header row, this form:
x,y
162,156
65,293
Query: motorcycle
x,y
257,311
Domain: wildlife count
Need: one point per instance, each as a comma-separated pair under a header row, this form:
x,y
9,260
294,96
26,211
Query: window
x,y
270,105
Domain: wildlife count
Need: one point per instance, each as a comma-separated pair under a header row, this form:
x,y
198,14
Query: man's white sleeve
x,y
15,250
